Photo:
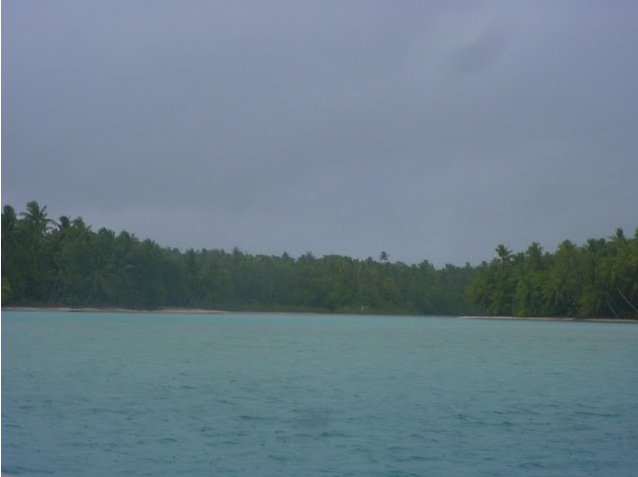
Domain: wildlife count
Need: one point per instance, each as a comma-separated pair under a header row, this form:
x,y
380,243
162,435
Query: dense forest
x,y
597,279
65,262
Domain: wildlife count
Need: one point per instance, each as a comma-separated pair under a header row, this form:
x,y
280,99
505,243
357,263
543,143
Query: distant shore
x,y
206,311
88,309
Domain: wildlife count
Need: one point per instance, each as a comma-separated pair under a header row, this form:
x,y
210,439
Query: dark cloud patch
x,y
483,51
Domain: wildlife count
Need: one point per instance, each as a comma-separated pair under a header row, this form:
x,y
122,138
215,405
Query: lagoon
x,y
118,394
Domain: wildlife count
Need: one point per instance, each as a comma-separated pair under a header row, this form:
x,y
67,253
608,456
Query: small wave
x,y
595,414
250,417
530,465
278,458
11,425
167,440
333,434
419,458
19,470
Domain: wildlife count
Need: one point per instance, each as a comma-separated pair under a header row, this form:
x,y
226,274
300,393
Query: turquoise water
x,y
292,395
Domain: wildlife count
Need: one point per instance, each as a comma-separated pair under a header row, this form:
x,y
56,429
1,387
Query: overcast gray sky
x,y
431,130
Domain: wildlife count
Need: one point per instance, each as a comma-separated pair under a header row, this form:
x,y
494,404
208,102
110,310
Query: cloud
x,y
483,51
429,130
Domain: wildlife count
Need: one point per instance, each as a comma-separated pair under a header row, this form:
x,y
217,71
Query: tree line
x,y
66,263
597,279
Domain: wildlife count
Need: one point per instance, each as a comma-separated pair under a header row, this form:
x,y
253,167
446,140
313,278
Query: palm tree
x,y
503,253
36,218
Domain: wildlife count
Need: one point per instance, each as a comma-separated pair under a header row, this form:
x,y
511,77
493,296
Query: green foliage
x,y
6,289
598,279
67,263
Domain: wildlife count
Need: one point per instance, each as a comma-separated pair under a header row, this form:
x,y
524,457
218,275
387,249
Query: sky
x,y
427,129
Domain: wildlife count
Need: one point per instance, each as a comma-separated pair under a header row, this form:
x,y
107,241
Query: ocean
x,y
105,394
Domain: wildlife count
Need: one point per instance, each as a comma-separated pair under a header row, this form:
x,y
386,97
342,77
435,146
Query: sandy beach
x,y
551,318
68,309
205,311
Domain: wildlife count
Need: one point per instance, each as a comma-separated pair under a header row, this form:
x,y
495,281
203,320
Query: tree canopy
x,y
597,279
65,262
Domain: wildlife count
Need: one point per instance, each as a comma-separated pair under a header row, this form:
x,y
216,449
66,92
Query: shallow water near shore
x,y
271,395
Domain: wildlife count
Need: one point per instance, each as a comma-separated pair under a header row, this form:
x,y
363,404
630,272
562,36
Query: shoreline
x,y
89,309
550,318
205,311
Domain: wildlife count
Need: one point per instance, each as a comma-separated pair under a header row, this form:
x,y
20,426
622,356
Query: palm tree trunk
x,y
628,302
